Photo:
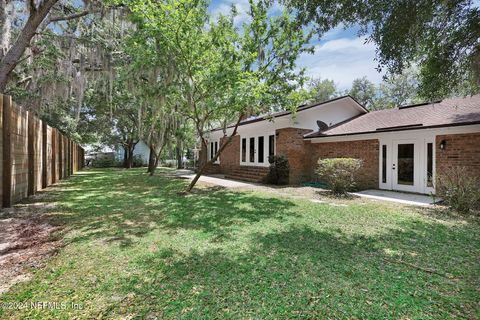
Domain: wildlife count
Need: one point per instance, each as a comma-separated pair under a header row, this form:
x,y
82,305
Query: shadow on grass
x,y
304,272
312,267
120,205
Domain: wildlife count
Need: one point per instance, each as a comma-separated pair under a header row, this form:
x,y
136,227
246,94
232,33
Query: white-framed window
x,y
213,149
254,150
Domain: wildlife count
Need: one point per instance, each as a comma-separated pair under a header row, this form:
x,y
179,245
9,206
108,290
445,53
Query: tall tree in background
x,y
394,92
319,90
441,37
399,90
364,91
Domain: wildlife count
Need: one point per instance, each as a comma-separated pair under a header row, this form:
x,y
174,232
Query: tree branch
x,y
70,17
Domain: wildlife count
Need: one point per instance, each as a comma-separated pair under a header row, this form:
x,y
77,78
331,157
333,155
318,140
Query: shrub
x,y
137,161
459,189
339,174
103,163
279,170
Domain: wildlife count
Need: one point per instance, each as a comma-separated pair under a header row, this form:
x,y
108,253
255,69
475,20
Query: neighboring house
x,y
141,150
93,153
401,148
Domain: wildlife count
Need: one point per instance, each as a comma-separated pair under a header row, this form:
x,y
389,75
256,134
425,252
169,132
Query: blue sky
x,y
339,55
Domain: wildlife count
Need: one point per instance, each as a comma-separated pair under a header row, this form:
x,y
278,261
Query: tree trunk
x,y
206,163
179,152
157,157
130,157
13,55
151,159
5,28
154,165
125,157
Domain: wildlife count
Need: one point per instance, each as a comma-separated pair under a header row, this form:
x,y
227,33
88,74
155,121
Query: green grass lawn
x,y
136,248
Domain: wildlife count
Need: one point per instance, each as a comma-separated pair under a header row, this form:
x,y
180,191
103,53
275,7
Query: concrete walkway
x,y
394,196
216,179
382,195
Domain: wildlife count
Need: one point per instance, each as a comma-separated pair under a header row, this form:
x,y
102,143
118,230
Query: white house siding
x,y
141,149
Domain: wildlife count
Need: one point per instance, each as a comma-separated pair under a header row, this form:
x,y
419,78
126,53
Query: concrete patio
x,y
396,196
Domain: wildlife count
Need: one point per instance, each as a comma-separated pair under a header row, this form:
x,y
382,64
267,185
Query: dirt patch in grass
x,y
27,238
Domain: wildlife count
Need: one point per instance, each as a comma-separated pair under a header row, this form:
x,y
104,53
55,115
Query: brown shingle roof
x,y
449,112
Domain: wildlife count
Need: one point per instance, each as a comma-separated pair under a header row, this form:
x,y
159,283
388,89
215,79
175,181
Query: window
x,y
430,164
384,163
405,167
260,149
211,150
252,149
216,147
244,150
271,145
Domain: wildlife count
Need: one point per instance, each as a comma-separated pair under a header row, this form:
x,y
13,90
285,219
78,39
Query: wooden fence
x,y
34,155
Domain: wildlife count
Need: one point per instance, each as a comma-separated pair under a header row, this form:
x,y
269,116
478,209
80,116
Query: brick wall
x,y
460,150
367,150
289,142
230,157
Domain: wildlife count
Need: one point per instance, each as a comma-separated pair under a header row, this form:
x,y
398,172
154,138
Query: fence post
x,y
54,158
60,160
71,157
31,154
44,155
7,151
67,159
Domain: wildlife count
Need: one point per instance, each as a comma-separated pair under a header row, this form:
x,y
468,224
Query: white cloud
x,y
342,60
225,8
345,44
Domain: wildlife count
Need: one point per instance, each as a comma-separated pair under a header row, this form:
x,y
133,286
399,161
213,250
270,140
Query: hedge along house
x,y
401,148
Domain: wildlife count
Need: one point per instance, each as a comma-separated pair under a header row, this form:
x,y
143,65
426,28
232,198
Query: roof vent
x,y
322,126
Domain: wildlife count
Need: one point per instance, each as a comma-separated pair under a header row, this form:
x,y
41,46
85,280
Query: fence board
x,y
1,147
7,160
33,155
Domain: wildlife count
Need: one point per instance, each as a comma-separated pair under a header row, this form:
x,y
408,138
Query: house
x,y
98,153
141,151
401,148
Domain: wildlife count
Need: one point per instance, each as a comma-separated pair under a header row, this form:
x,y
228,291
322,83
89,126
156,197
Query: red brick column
x,y
290,142
230,157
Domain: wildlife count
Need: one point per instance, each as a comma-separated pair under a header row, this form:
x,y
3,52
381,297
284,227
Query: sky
x,y
340,55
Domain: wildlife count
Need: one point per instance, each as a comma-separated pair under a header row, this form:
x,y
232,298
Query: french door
x,y
406,166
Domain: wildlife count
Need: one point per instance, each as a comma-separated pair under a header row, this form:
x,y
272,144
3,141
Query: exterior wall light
x,y
443,143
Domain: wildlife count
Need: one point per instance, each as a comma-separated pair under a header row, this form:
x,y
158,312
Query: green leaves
x,y
441,37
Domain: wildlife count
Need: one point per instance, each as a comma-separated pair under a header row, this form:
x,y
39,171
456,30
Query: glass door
x,y
405,166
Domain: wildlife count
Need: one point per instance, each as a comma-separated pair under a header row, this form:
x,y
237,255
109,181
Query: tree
x,y
321,90
223,73
441,37
399,90
364,91
254,70
40,15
